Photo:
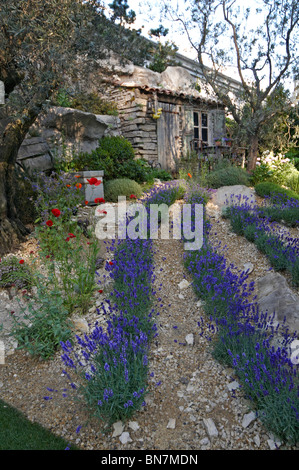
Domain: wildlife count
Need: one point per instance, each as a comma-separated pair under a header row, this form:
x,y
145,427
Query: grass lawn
x,y
18,433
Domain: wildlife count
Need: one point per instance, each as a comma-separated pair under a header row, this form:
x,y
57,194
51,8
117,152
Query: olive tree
x,y
258,40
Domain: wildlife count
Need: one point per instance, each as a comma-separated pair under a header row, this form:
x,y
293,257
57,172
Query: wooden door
x,y
168,136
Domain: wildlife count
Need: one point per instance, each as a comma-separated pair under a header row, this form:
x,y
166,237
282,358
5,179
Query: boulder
x,y
275,297
227,195
61,131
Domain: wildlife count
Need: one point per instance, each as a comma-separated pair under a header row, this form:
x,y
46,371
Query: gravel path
x,y
194,403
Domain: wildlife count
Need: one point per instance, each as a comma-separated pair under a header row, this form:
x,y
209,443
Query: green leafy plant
x,y
229,176
270,167
44,323
121,187
270,189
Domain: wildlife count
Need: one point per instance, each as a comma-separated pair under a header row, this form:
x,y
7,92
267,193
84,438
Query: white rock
x,y
248,418
171,424
125,438
184,284
210,427
257,440
118,429
180,296
133,425
190,339
248,267
273,444
205,441
81,324
233,385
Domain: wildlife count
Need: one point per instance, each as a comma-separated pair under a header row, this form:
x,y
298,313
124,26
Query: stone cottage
x,y
166,115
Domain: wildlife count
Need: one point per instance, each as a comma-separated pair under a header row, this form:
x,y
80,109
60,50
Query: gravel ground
x,y
193,404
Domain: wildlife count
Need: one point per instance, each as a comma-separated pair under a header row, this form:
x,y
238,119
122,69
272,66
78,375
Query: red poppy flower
x,y
111,263
100,291
21,261
98,183
68,185
71,235
86,202
56,212
92,180
47,256
133,196
99,200
77,176
78,185
49,223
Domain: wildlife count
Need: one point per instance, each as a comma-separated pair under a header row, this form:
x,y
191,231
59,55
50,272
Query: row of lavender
x,y
244,338
112,364
260,226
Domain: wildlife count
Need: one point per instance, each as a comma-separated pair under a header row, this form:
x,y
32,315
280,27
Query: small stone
x,y
210,427
171,424
118,429
248,418
133,425
248,267
257,440
125,438
81,325
184,284
273,444
180,296
233,385
205,441
190,339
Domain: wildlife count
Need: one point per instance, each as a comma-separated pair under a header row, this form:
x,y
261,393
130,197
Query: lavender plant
x,y
243,337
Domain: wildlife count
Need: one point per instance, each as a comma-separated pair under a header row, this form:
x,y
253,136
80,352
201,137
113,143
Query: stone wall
x,y
136,122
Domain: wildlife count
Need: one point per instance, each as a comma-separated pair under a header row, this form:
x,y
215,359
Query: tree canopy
x,y
257,40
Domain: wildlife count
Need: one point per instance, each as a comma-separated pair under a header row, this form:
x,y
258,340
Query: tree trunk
x,y
12,230
253,152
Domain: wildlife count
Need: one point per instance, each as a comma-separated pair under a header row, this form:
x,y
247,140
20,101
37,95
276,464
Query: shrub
x,y
293,181
87,102
271,189
229,176
270,167
121,187
93,103
115,156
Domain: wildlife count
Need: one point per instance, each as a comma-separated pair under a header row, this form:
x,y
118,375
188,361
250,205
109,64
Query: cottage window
x,y
200,129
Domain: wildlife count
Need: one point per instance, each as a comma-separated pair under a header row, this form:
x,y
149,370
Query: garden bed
x,y
187,387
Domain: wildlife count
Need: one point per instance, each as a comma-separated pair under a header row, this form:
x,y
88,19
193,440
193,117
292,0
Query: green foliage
x,y
116,157
121,187
44,323
119,148
293,181
229,176
87,102
275,168
12,273
271,189
163,55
